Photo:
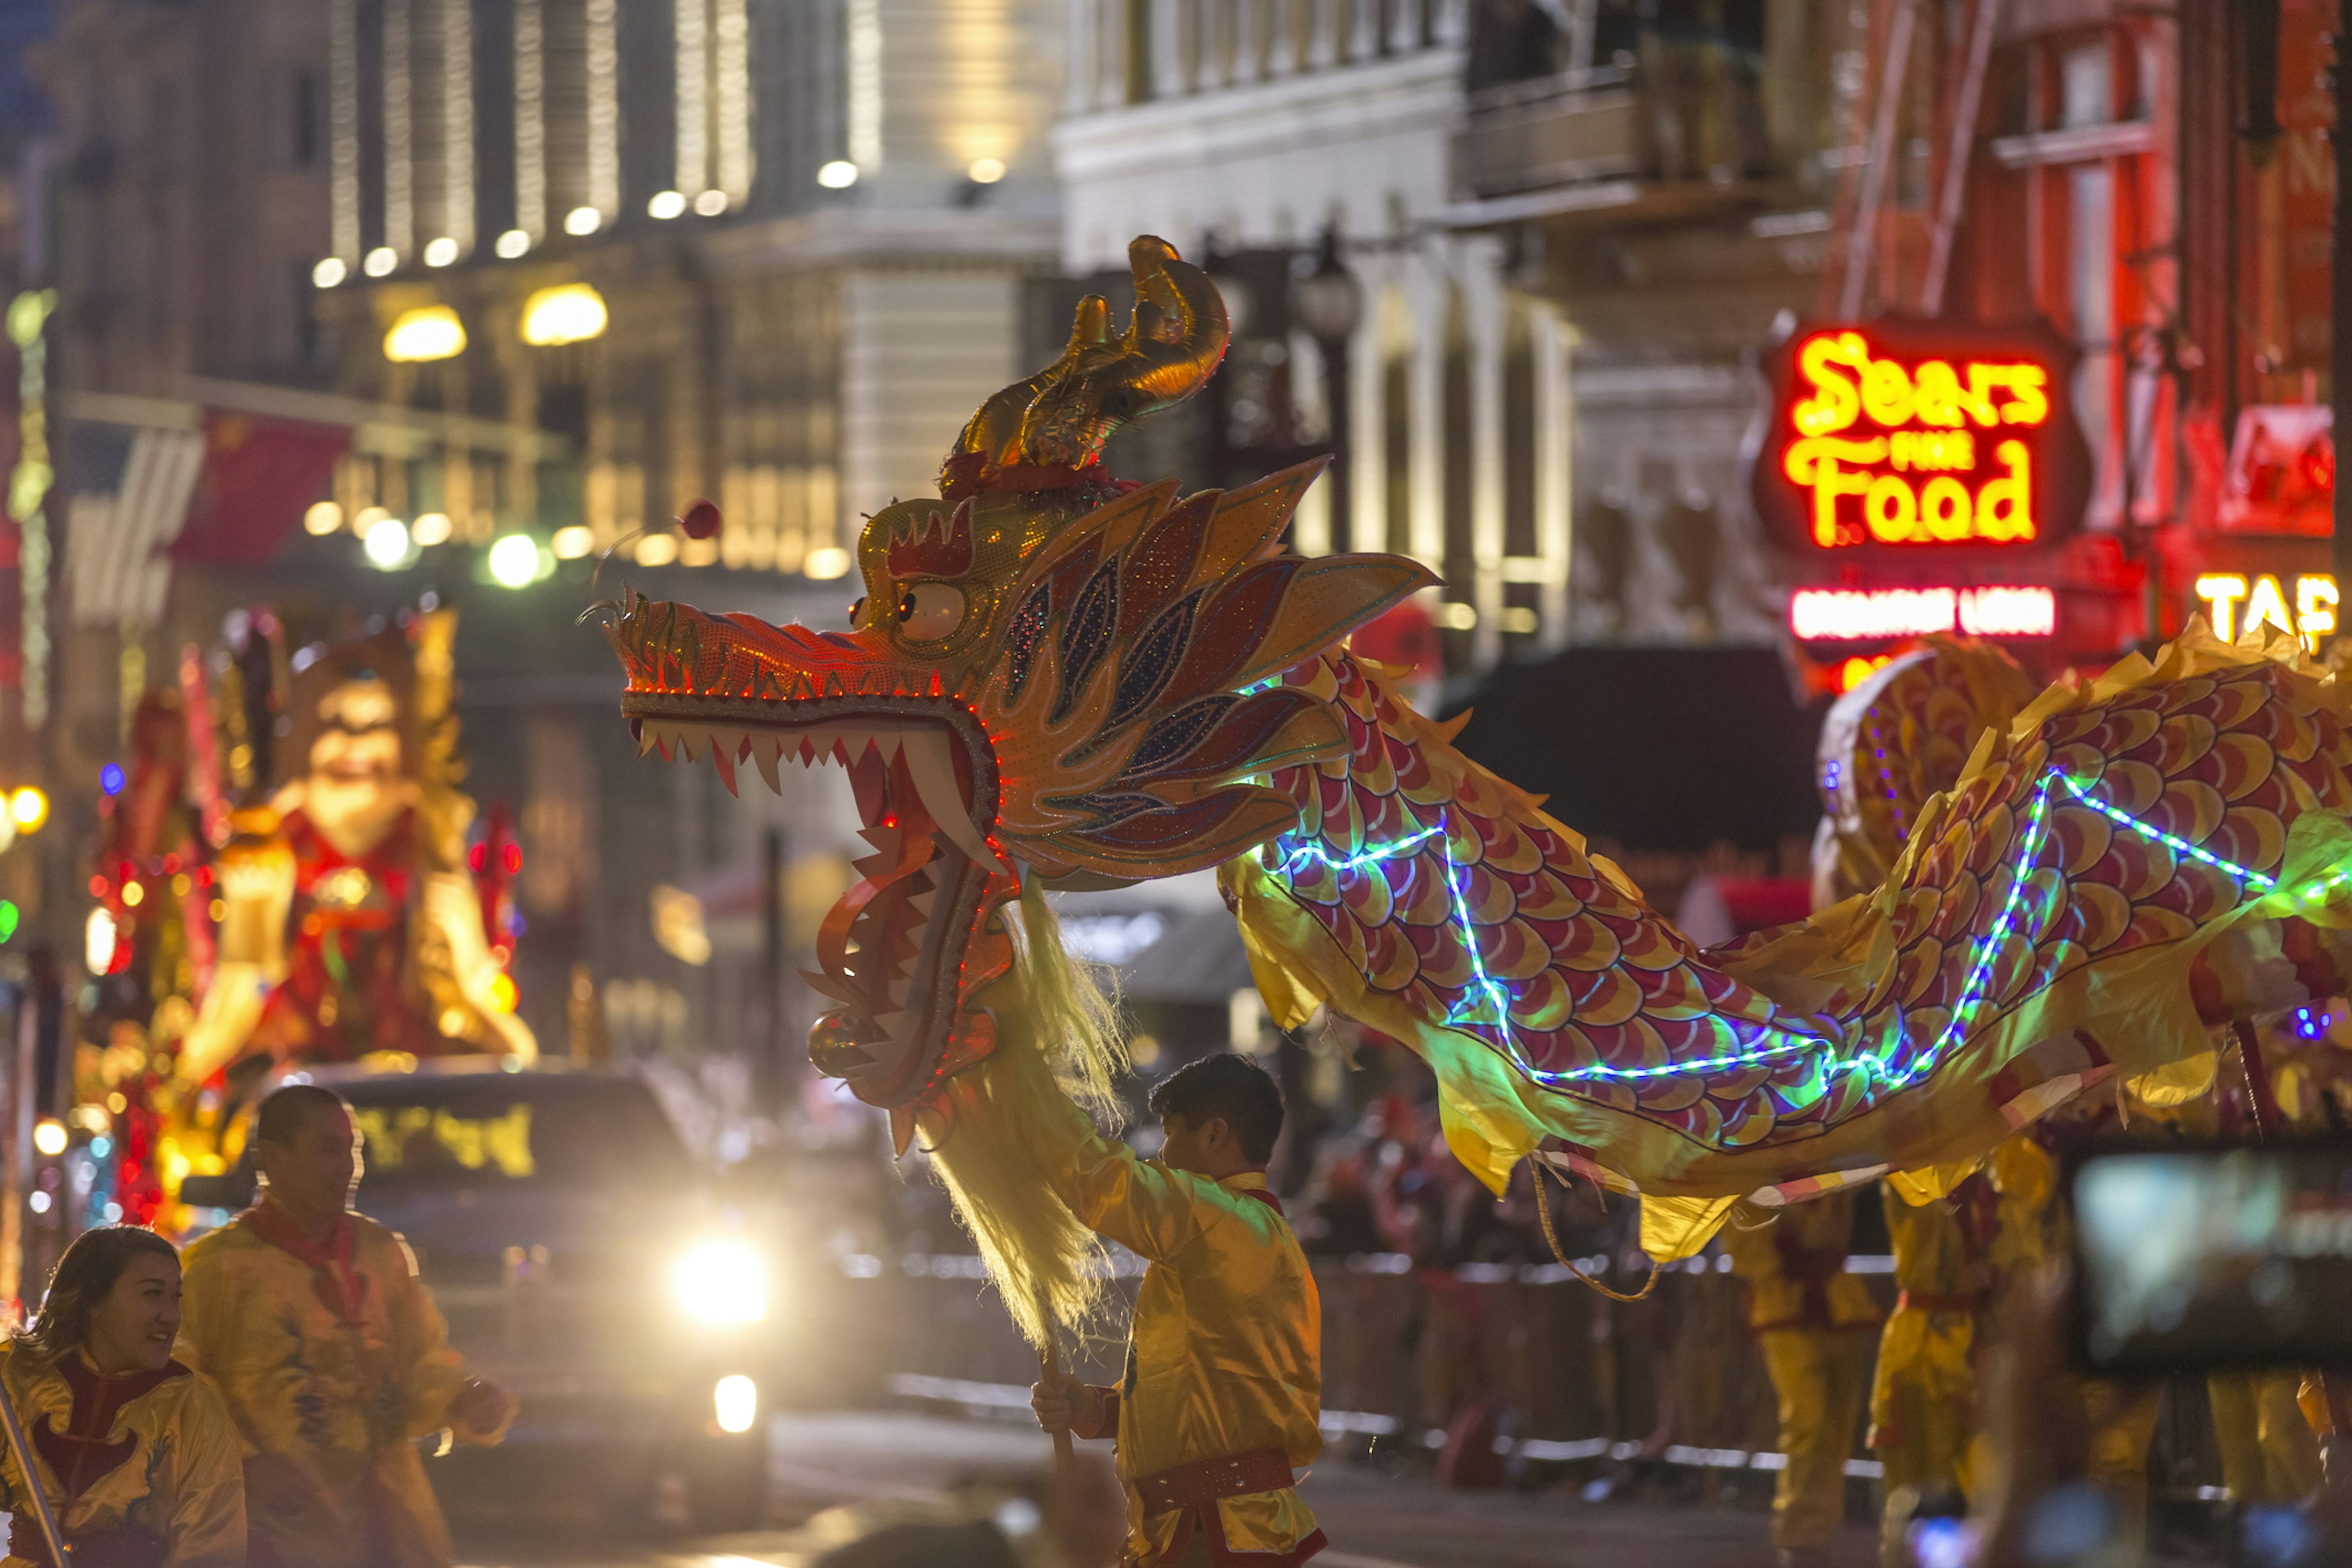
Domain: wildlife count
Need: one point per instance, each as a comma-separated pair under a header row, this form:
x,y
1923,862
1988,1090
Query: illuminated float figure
x,y
1053,679
350,923
148,947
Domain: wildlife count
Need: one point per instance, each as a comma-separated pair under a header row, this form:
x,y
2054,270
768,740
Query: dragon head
x,y
1052,675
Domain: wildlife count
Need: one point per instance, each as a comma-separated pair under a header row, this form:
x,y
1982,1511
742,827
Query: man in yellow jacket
x,y
331,1355
1811,1321
1222,1396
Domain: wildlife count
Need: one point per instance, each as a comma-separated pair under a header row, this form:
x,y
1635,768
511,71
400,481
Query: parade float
x,y
289,874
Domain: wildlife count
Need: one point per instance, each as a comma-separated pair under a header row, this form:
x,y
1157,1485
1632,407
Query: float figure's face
x,y
358,734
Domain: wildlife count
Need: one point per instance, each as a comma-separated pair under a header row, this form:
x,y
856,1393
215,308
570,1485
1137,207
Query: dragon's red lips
x,y
893,949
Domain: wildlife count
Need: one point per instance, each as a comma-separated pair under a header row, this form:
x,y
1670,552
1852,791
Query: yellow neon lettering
x,y
2266,606
1978,402
1943,507
1836,401
1891,509
2005,505
2221,591
1940,394
2315,610
1886,395
1814,464
2029,396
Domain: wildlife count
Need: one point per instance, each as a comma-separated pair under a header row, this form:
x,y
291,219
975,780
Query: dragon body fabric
x,y
1058,678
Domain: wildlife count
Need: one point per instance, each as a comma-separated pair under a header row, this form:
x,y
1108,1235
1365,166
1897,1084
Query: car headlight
x,y
735,1403
722,1282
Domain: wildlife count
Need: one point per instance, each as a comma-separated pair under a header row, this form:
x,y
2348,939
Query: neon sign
x,y
1857,614
2310,614
1898,435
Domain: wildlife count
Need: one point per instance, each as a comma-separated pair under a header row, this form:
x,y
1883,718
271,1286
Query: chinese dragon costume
x,y
1061,679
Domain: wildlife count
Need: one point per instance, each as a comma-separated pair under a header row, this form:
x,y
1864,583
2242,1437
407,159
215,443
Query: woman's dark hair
x,y
1230,1086
86,1275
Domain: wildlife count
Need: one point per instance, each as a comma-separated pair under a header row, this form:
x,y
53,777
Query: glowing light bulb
x,y
386,545
514,560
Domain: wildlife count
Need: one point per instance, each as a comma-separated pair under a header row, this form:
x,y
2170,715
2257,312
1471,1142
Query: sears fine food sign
x,y
1921,437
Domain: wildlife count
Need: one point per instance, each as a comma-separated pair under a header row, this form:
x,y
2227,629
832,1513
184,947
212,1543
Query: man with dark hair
x,y
331,1355
1222,1396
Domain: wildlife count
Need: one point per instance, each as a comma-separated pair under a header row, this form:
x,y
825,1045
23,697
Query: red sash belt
x,y
1204,1481
1922,1302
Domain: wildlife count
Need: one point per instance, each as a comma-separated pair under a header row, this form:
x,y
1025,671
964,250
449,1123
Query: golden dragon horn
x,y
1061,416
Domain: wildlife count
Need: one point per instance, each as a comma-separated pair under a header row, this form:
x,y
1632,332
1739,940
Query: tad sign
x,y
1893,435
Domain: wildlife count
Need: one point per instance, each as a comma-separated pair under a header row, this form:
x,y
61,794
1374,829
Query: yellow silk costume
x,y
1226,1354
338,1394
1807,1314
1923,1393
161,1463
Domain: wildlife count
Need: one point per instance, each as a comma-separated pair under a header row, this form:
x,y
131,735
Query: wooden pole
x,y
1049,1362
42,1514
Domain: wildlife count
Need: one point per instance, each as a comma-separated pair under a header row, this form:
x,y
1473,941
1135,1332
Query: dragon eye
x,y
929,611
857,614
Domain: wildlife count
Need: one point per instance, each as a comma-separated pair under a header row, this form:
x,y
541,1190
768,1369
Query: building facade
x,y
785,246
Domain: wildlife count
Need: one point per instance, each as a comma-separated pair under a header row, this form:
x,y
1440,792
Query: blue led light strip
x,y
2171,841
1498,996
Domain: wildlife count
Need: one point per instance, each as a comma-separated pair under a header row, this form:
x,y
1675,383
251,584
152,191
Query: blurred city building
x,y
356,301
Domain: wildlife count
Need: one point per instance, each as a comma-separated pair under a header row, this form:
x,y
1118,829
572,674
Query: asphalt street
x,y
881,1464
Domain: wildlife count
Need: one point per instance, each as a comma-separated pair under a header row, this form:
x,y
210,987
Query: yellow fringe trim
x,y
1057,1038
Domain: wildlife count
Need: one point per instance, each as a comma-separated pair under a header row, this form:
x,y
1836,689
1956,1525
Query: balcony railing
x,y
1125,52
1687,117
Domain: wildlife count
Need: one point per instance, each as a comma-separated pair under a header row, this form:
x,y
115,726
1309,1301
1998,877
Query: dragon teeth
x,y
929,763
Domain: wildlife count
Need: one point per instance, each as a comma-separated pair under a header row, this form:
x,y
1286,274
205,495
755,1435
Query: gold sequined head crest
x,y
1037,434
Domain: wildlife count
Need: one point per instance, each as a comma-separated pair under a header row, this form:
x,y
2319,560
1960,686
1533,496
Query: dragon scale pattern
x,y
2123,827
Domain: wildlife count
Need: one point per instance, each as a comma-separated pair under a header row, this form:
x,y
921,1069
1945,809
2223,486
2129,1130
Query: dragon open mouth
x,y
894,953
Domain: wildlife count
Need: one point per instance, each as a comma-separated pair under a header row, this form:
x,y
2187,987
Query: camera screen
x,y
2237,1256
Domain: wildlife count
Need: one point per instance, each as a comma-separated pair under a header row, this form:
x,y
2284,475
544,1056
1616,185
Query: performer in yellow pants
x,y
1923,1416
1811,1321
2269,1453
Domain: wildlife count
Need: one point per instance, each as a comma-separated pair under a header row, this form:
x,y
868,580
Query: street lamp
x,y
1329,303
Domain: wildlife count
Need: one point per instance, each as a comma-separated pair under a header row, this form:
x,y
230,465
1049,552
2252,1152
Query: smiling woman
x,y
93,1380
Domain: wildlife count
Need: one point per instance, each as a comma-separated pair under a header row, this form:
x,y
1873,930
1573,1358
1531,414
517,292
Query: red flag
x,y
260,475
